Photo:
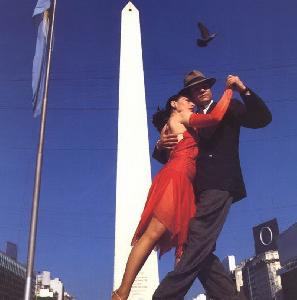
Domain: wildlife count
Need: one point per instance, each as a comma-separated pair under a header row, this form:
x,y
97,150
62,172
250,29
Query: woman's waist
x,y
177,158
184,154
184,168
182,162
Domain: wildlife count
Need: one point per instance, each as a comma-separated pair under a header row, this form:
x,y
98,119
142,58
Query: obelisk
x,y
133,158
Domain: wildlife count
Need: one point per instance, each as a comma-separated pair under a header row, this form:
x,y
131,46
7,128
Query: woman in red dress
x,y
171,200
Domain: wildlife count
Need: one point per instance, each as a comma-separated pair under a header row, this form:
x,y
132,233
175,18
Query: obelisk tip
x,y
130,6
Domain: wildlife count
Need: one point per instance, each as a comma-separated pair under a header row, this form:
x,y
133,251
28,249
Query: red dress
x,y
171,198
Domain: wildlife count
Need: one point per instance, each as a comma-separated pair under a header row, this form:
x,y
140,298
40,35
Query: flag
x,y
41,17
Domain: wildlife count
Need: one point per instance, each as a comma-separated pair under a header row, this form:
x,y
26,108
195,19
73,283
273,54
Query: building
x,y
50,289
230,266
43,290
46,294
288,275
12,250
238,276
235,272
47,288
260,277
12,275
67,296
287,243
257,277
58,288
229,263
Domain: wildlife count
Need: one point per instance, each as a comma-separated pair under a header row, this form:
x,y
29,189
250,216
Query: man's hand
x,y
235,83
167,140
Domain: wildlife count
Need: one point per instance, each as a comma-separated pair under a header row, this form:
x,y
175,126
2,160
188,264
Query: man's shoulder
x,y
234,101
234,105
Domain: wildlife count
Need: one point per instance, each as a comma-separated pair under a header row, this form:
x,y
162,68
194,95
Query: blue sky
x,y
256,40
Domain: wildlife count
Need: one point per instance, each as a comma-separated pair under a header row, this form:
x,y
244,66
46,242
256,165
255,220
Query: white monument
x,y
133,157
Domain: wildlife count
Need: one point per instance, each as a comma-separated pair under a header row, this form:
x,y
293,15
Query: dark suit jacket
x,y
218,164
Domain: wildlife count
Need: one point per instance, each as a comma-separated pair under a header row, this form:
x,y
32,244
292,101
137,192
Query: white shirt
x,y
206,108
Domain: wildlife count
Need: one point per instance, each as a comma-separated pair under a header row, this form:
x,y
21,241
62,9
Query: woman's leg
x,y
138,255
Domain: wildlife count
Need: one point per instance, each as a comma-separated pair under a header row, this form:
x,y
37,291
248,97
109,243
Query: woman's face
x,y
183,104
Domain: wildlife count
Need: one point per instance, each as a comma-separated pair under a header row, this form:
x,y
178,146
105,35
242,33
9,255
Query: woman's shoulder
x,y
175,126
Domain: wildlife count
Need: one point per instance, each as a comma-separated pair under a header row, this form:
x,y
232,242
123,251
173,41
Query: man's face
x,y
201,94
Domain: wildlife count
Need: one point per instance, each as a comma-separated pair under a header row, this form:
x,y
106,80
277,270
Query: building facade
x,y
260,277
289,281
52,289
229,263
12,278
287,244
238,276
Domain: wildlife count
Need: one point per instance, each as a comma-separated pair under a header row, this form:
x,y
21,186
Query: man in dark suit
x,y
219,184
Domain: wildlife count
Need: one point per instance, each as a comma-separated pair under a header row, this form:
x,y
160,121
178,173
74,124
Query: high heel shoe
x,y
116,294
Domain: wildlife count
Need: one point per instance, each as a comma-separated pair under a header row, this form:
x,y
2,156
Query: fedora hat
x,y
196,78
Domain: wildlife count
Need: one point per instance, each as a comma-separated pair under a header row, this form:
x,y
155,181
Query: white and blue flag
x,y
41,18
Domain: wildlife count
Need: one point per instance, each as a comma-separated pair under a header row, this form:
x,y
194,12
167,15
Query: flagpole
x,y
39,158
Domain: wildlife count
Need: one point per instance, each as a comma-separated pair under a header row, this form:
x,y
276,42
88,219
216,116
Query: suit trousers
x,y
198,260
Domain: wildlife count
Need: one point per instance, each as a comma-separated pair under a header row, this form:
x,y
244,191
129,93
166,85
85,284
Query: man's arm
x,y
164,145
253,113
160,155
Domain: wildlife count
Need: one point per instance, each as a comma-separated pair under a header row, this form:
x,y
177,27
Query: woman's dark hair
x,y
161,116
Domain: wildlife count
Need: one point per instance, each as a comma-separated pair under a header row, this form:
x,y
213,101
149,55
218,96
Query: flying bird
x,y
206,37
